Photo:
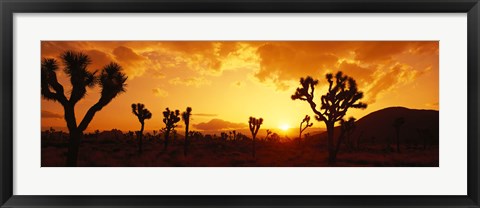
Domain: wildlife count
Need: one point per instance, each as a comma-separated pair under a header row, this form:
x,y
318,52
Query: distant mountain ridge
x,y
377,127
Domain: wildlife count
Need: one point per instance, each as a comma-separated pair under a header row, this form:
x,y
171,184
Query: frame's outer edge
x,y
473,26
8,7
241,6
2,69
6,101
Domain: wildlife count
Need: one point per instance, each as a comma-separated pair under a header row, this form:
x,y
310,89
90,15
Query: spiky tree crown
x,y
254,124
170,118
141,112
111,78
307,121
186,115
342,94
112,81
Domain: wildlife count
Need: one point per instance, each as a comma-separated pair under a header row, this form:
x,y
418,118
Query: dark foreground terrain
x,y
122,152
373,143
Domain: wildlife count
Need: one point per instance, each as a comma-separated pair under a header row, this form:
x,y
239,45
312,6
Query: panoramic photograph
x,y
239,103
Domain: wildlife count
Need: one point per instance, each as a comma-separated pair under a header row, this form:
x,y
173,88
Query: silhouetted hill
x,y
377,127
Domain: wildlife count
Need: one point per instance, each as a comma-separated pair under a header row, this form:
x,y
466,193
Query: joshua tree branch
x,y
89,115
58,95
54,96
57,87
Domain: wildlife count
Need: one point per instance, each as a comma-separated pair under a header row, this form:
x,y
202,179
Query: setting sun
x,y
284,127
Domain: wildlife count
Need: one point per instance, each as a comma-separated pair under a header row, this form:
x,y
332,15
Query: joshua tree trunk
x,y
253,147
331,146
73,146
185,145
75,136
339,142
165,146
140,139
300,135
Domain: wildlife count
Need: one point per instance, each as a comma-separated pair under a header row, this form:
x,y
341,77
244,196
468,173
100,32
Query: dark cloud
x,y
282,62
205,114
206,57
159,92
124,53
359,73
49,114
133,64
380,50
99,59
218,124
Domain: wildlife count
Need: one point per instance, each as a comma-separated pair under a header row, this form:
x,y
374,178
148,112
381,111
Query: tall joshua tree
x,y
170,118
305,120
142,113
111,80
254,125
186,119
397,123
342,95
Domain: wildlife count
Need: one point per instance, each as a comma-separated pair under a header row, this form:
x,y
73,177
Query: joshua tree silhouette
x,y
234,135
111,81
334,104
174,132
254,125
224,138
129,134
425,135
268,133
186,119
170,118
346,127
305,120
275,137
397,123
142,113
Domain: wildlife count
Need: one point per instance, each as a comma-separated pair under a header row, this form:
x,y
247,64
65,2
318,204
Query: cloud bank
x,y
49,114
378,66
218,124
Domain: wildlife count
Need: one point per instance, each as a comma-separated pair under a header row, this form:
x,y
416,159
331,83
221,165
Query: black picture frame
x,y
10,7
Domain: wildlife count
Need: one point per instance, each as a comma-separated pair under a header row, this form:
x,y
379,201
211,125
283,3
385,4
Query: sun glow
x,y
284,127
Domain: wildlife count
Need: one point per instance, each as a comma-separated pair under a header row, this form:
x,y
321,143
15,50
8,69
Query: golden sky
x,y
226,82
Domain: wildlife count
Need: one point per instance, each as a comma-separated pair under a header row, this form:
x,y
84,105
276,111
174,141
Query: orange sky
x,y
226,82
